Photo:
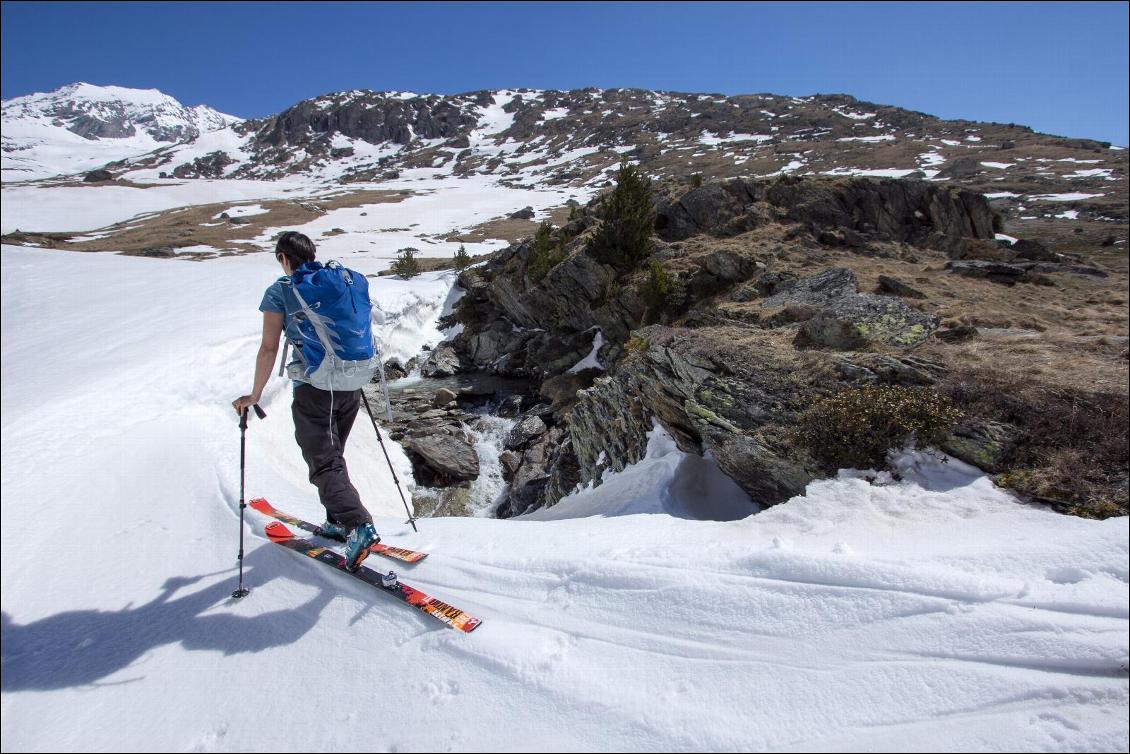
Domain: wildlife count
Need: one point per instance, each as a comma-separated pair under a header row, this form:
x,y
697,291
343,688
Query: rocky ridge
x,y
759,322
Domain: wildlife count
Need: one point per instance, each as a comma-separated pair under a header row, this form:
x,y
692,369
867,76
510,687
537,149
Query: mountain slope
x,y
82,126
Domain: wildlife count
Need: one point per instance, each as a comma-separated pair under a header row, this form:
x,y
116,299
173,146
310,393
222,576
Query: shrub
x,y
624,238
656,290
462,258
696,180
406,265
858,427
1071,445
546,255
637,344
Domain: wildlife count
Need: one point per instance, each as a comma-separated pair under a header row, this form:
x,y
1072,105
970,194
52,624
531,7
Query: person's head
x,y
293,249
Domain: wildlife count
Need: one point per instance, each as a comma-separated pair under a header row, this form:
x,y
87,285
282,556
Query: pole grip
x,y
259,412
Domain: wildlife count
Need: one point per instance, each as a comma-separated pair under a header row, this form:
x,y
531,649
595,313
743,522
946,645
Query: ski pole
x,y
243,591
369,411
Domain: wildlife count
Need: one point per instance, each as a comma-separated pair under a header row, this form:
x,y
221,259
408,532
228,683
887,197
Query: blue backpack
x,y
338,351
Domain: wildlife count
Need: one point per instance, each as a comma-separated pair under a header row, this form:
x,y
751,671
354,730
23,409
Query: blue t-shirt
x,y
280,298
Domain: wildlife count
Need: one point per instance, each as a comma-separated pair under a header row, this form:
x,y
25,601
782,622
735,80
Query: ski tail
x,y
399,553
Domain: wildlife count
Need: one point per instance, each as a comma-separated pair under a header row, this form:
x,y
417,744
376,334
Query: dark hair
x,y
296,247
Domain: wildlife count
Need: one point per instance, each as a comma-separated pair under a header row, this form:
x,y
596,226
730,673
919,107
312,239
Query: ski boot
x,y
358,544
330,530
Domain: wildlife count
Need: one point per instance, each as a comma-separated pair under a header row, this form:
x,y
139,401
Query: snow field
x,y
933,613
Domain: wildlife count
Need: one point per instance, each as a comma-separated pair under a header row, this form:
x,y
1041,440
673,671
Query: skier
x,y
322,417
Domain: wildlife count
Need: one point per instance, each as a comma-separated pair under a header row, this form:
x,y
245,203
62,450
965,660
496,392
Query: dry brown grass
x,y
506,228
1072,446
196,225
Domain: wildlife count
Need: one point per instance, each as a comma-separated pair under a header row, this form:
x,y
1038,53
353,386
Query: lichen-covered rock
x,y
855,322
983,444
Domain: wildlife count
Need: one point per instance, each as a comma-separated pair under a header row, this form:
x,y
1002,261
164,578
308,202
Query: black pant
x,y
322,421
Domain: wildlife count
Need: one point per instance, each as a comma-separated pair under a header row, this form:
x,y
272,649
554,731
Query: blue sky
x,y
1058,67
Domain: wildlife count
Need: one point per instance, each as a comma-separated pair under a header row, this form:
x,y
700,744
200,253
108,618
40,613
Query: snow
x,y
422,219
37,143
590,361
651,612
930,613
710,138
1093,173
1069,197
1001,195
792,167
245,210
78,208
854,116
998,165
1003,237
882,137
667,481
1071,214
874,172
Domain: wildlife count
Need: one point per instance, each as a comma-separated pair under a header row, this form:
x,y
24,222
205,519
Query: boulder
x,y
1033,251
895,287
996,272
440,460
958,334
442,362
510,406
962,167
394,370
442,397
816,290
526,213
97,176
984,444
510,462
855,322
524,431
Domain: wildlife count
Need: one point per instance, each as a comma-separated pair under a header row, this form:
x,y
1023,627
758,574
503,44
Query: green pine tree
x,y
624,238
545,255
462,258
406,265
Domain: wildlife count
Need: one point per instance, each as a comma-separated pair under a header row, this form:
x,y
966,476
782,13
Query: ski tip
x,y
260,504
277,531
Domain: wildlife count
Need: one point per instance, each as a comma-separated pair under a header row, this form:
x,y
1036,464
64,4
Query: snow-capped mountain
x,y
82,126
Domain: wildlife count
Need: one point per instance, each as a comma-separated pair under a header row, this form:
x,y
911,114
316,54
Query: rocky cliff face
x,y
749,343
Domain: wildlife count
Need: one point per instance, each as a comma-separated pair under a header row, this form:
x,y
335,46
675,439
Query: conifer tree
x,y
624,238
406,265
462,258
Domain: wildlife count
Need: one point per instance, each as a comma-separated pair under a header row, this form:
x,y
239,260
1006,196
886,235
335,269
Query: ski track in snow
x,y
931,614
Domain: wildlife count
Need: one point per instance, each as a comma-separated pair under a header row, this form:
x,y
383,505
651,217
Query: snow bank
x,y
932,613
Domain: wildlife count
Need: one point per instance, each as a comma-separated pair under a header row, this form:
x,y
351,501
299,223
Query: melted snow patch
x,y
881,137
711,138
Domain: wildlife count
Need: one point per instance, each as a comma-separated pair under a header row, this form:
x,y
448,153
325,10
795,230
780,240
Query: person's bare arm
x,y
264,361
